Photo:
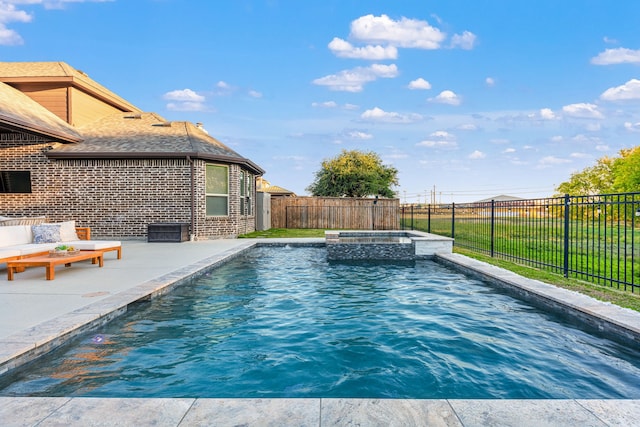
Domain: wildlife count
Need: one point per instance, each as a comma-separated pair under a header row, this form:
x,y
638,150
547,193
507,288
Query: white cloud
x,y
582,111
379,115
602,147
557,138
408,33
593,127
509,151
466,40
355,134
223,85
578,155
499,141
350,107
184,95
442,134
552,160
326,104
490,81
255,94
632,127
439,139
344,49
184,100
619,55
547,114
354,80
468,126
446,97
419,84
628,91
476,155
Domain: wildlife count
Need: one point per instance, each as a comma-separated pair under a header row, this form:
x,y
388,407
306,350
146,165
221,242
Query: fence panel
x,y
594,238
335,213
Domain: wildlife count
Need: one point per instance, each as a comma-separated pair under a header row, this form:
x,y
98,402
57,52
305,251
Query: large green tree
x,y
626,171
591,180
354,174
608,175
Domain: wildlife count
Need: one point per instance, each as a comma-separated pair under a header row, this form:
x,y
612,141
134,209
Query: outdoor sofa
x,y
38,238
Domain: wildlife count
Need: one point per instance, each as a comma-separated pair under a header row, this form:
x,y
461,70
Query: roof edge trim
x,y
157,155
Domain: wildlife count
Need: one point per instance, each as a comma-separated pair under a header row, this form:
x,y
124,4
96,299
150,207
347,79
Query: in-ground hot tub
x,y
384,245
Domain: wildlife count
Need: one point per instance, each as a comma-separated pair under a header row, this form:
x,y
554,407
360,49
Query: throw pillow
x,y
67,231
46,233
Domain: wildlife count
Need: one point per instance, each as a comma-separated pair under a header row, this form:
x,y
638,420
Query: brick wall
x,y
116,198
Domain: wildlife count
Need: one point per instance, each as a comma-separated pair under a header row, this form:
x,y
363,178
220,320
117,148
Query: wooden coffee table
x,y
50,262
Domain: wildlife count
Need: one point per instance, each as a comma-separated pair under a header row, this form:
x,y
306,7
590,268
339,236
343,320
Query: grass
x,y
602,293
602,253
599,292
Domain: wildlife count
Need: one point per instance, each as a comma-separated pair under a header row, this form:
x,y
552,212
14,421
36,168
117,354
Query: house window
x,y
246,191
217,190
15,182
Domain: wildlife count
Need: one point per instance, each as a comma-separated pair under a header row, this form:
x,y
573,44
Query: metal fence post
x,y
567,218
453,220
428,218
412,218
493,227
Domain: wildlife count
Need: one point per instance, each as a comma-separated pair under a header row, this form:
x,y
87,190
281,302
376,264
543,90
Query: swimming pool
x,y
286,323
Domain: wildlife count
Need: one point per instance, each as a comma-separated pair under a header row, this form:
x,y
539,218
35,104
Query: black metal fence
x,y
593,238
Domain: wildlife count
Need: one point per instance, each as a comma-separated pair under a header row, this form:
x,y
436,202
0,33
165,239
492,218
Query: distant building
x,y
264,186
500,198
72,149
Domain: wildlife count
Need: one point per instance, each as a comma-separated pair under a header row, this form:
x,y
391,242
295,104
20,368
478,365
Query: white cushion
x,y
93,245
33,248
15,235
67,230
7,253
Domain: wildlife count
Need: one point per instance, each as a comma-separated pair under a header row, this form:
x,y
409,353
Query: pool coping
x,y
33,342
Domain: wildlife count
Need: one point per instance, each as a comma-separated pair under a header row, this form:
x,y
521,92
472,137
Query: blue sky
x,y
472,98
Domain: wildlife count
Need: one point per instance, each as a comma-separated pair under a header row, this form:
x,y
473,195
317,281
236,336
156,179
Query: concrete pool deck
x,y
36,315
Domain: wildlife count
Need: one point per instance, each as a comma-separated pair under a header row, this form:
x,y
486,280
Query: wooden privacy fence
x,y
335,213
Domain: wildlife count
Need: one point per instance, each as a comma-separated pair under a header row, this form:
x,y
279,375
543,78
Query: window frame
x,y
216,195
246,193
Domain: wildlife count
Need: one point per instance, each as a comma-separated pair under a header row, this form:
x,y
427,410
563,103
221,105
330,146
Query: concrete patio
x,y
36,315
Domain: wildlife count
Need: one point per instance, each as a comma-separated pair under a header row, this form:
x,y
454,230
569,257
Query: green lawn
x,y
603,293
602,253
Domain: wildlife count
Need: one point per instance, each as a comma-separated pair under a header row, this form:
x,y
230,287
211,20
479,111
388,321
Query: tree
x,y
609,175
591,180
626,171
354,174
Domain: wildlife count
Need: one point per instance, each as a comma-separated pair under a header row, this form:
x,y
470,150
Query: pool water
x,y
284,322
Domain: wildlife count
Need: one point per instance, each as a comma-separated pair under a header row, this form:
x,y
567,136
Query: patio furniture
x,y
51,261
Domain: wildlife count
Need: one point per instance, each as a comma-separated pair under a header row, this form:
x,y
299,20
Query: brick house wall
x,y
117,198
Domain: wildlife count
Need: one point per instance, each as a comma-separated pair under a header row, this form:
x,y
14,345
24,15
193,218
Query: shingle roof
x,y
277,190
60,71
20,113
147,135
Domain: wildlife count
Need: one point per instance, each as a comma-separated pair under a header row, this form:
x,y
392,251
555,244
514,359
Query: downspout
x,y
192,235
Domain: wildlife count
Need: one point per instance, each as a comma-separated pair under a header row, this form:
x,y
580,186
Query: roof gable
x,y
19,113
60,72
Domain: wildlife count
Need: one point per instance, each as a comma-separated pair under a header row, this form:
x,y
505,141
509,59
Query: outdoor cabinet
x,y
168,232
